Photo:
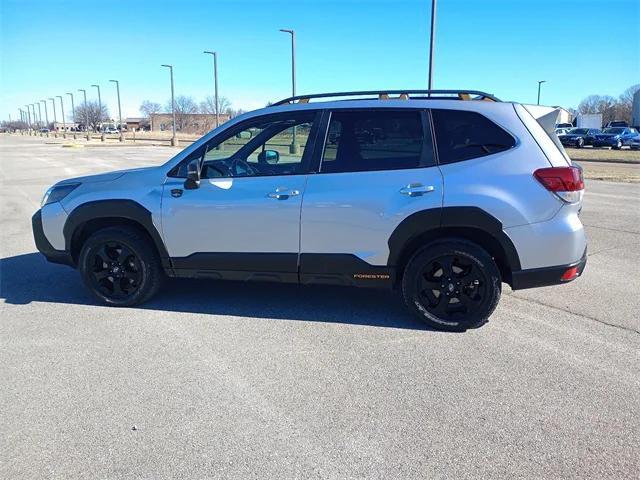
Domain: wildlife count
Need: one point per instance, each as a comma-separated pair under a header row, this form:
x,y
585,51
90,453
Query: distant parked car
x,y
617,123
111,130
44,130
579,137
561,131
616,137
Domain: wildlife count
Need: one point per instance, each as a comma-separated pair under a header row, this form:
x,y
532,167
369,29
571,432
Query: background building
x,y
635,109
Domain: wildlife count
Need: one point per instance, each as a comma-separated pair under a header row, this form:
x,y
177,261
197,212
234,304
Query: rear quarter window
x,y
462,135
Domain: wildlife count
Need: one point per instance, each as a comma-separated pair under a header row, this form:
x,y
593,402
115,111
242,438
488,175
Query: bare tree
x,y
148,107
234,113
604,104
184,108
92,112
209,105
14,125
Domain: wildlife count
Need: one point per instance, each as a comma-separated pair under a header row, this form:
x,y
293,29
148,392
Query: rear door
x,y
375,168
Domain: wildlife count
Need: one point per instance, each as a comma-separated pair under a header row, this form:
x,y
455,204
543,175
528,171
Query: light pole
x,y
64,125
540,82
40,115
86,113
432,42
174,141
293,149
119,110
35,117
215,81
73,114
55,119
100,112
28,118
46,115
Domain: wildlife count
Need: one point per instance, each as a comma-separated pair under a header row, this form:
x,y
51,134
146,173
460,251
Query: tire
x,y
618,145
580,143
473,281
120,266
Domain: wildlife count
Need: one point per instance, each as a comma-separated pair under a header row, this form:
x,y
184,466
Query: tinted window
x,y
259,147
375,140
463,135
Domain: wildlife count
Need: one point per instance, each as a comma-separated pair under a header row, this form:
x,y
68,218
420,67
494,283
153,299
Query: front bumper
x,y
542,277
42,244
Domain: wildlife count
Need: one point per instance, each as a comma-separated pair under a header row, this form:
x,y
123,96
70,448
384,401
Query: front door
x,y
243,222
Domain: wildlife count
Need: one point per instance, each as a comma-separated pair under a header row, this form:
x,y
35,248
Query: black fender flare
x,y
128,209
435,219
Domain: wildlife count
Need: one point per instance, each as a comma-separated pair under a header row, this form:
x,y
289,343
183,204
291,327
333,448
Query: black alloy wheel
x,y
452,284
120,266
451,287
116,271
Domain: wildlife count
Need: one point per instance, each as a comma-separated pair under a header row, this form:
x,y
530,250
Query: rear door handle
x,y
416,189
283,193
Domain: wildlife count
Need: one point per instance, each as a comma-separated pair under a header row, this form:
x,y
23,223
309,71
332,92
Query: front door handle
x,y
283,193
416,189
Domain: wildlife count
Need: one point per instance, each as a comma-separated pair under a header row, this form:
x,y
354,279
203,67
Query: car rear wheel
x,y
452,284
580,143
618,145
120,267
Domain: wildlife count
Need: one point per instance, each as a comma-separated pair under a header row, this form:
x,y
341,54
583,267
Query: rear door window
x,y
462,135
370,140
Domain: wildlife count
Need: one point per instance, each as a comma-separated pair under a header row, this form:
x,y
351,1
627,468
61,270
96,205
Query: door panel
x,y
241,215
356,212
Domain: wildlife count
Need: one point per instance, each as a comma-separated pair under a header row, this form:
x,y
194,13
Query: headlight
x,y
57,193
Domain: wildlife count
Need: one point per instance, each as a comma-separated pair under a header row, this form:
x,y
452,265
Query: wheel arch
x,y
468,223
90,217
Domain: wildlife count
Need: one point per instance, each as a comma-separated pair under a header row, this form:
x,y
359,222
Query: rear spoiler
x,y
547,117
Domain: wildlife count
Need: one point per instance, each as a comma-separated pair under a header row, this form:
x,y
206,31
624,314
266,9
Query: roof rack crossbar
x,y
403,94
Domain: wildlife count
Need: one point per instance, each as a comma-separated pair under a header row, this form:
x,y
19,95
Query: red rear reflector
x,y
560,179
570,274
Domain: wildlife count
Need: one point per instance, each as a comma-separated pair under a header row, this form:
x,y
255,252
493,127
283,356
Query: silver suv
x,y
442,195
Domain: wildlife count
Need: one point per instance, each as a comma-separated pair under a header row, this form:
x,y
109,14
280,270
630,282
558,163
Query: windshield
x,y
578,131
614,130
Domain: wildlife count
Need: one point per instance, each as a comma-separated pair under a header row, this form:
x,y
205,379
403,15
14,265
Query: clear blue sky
x,y
580,47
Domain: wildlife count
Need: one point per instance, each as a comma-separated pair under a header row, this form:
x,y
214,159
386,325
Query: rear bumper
x,y
42,244
542,277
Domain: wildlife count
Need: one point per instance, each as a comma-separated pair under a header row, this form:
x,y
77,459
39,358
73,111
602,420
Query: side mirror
x,y
193,175
269,156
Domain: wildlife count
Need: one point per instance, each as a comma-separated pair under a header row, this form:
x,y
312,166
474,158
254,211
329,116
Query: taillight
x,y
566,182
569,274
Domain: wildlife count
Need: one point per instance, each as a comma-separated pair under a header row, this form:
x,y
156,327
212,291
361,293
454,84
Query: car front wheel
x,y
618,145
120,266
452,284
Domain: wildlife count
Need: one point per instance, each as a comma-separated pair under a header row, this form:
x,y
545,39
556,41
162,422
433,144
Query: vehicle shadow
x,y
30,278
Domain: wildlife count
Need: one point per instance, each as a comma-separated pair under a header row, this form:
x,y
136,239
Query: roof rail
x,y
402,95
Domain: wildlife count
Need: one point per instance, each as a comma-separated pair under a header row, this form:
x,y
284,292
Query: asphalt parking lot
x,y
219,380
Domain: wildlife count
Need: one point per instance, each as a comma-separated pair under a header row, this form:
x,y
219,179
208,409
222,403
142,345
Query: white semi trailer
x,y
589,120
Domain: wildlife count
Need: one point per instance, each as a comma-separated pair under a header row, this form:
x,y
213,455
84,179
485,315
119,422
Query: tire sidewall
x,y
463,249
